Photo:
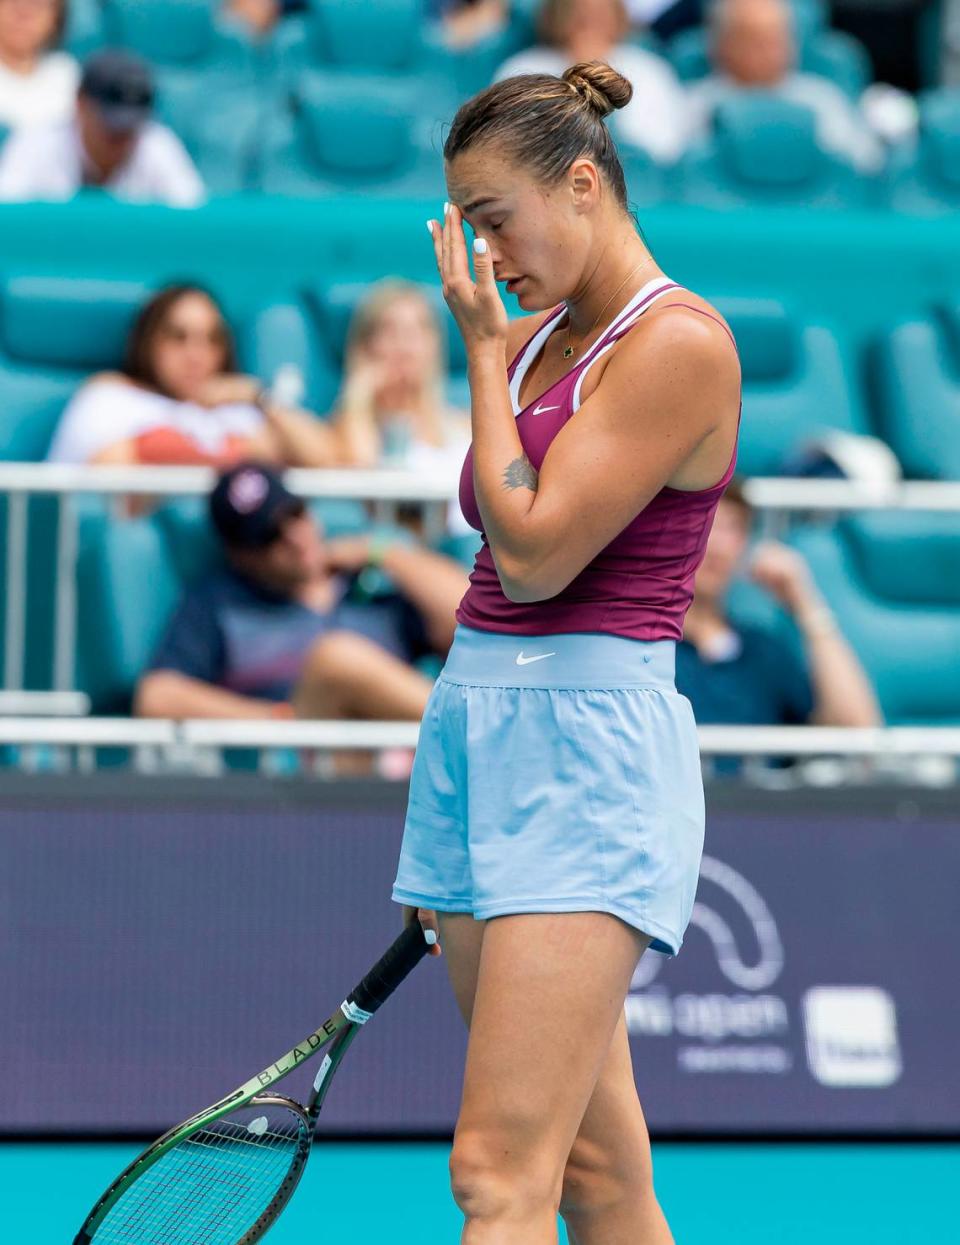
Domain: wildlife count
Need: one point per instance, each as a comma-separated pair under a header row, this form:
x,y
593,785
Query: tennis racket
x,y
223,1176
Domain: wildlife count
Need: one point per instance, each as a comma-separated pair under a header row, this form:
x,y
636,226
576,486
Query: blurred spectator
x,y
259,17
466,22
751,675
179,399
38,86
584,30
110,143
286,630
753,47
392,411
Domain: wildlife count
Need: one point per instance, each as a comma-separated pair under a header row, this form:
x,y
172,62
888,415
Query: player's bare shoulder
x,y
688,323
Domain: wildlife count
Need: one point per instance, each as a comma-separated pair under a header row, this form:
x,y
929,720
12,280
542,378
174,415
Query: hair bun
x,y
599,86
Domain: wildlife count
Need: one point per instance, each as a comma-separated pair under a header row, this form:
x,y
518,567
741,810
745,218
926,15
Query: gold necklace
x,y
568,349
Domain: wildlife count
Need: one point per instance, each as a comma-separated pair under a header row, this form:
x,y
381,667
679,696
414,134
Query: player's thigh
x,y
461,938
550,991
611,1152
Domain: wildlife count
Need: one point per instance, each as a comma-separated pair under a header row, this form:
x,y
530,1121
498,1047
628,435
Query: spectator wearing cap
x,y
289,626
110,143
584,30
736,674
753,47
38,83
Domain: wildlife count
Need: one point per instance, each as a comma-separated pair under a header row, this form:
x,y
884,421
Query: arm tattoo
x,y
521,473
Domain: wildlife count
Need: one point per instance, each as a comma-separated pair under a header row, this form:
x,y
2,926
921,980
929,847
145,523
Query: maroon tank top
x,y
641,584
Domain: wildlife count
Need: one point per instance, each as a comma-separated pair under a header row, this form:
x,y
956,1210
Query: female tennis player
x,y
555,819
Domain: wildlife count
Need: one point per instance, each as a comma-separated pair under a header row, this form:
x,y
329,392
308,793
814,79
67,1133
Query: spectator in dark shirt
x,y
750,675
286,629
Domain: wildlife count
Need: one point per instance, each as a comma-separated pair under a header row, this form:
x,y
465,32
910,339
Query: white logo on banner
x,y
738,1032
852,1036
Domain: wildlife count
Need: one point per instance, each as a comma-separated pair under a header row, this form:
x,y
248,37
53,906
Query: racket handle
x,y
392,967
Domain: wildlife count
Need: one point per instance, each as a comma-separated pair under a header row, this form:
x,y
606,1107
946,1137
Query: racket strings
x,y
212,1187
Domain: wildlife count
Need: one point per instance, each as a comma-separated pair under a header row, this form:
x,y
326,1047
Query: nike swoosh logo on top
x,y
525,661
539,410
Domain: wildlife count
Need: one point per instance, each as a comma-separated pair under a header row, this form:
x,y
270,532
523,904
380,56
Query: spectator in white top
x,y
38,85
111,142
584,30
181,400
753,48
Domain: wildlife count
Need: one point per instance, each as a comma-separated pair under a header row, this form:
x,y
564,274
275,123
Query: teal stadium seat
x,y
924,177
84,27
373,36
219,120
917,381
53,331
648,183
128,588
284,334
350,133
797,382
764,151
910,647
183,33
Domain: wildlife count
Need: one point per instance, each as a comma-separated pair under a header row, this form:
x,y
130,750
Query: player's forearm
x,y
505,481
169,694
433,584
842,693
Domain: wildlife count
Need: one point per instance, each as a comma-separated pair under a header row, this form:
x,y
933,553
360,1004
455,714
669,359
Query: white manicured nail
x,y
430,936
446,208
430,228
479,246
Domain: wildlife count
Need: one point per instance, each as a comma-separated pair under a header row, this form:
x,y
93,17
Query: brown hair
x,y
138,357
553,20
545,123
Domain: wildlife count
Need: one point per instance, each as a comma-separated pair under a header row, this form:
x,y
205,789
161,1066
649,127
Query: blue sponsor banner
x,y
158,947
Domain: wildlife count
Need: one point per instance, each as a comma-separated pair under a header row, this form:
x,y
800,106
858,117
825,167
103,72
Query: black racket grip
x,y
393,966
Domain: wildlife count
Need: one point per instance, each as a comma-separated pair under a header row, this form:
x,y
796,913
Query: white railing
x,y
829,755
776,499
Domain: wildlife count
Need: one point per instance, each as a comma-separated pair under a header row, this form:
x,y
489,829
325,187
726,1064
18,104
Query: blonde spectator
x,y
572,31
180,399
38,85
392,411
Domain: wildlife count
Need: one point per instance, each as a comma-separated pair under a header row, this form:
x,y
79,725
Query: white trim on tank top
x,y
537,342
626,323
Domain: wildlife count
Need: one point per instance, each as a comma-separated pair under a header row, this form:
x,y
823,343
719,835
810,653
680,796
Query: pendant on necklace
x,y
568,351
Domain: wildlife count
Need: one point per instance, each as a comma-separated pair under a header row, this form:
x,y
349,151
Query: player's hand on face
x,y
475,303
427,919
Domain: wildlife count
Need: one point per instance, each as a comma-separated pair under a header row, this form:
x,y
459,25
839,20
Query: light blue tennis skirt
x,y
556,773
